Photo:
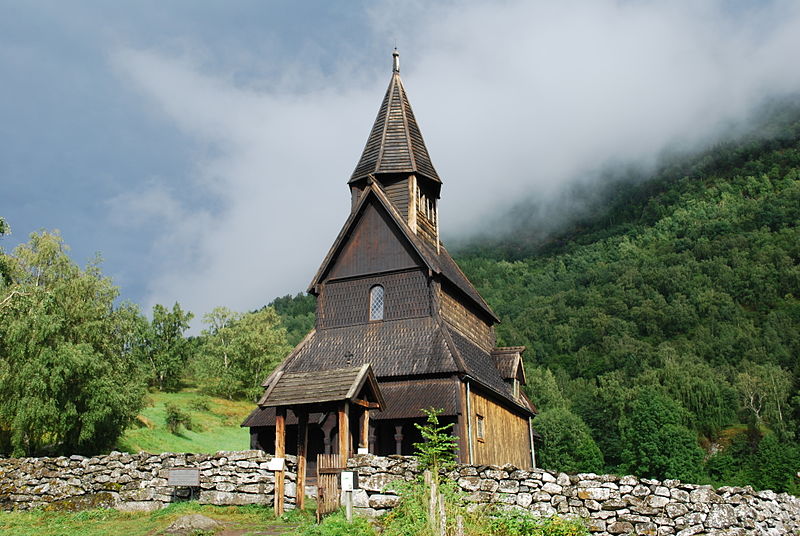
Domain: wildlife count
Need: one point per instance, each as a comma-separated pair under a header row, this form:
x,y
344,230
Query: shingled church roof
x,y
395,144
398,349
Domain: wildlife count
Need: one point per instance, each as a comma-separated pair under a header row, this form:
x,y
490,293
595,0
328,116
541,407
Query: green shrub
x,y
175,418
519,523
200,403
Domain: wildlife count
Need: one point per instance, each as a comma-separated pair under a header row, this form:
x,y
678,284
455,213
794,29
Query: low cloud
x,y
514,99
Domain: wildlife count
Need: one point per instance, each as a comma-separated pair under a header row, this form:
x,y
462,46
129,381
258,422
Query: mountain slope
x,y
688,283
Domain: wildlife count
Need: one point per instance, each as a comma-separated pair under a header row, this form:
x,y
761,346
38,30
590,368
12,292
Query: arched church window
x,y
376,303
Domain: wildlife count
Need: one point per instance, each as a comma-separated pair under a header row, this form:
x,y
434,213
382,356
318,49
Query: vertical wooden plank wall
x,y
506,435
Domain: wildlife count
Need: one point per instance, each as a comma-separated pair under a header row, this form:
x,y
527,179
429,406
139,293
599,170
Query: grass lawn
x,y
215,425
241,520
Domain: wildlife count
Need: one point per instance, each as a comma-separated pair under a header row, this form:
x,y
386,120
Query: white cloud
x,y
513,98
276,173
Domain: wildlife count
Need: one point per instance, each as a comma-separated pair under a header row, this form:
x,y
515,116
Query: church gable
x,y
374,245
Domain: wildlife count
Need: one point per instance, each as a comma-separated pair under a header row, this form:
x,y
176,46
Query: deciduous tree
x,y
656,442
69,381
239,350
168,349
567,442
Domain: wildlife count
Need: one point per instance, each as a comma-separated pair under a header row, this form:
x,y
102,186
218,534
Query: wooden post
x,y
302,452
398,439
280,452
327,429
344,433
372,438
364,441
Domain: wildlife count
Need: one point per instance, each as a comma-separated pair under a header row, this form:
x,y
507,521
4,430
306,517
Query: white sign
x,y
276,464
347,480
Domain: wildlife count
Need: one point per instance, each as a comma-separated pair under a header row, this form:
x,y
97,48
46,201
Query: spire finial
x,y
395,61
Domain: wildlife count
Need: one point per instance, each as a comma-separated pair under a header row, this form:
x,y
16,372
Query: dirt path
x,y
277,529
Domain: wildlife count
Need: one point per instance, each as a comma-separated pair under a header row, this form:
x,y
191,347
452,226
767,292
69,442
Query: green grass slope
x,y
215,425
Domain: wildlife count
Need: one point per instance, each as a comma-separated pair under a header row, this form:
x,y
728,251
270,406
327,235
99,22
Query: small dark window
x,y
376,303
480,428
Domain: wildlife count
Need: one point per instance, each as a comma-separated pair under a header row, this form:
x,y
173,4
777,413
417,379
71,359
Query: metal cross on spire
x,y
395,61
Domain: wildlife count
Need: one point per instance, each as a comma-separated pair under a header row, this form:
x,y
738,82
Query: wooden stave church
x,y
389,295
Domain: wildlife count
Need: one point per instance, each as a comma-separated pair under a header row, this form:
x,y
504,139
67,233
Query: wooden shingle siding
x,y
369,157
407,399
410,347
423,159
506,436
466,322
426,228
397,192
346,303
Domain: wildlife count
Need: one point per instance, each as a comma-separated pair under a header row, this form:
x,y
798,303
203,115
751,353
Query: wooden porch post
x,y
280,452
364,440
302,444
344,432
398,439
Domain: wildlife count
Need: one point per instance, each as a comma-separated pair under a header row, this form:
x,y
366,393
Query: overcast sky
x,y
203,148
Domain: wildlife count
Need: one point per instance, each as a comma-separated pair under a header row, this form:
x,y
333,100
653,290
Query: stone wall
x,y
138,481
609,504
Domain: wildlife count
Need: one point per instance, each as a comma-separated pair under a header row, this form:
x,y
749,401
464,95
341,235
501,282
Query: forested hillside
x,y
668,321
663,324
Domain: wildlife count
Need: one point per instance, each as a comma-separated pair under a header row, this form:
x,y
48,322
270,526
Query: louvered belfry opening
x,y
389,295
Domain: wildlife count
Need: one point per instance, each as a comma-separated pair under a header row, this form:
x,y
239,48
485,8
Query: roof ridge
x,y
458,359
388,100
406,130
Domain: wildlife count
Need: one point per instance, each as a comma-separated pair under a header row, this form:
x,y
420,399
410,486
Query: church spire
x,y
395,144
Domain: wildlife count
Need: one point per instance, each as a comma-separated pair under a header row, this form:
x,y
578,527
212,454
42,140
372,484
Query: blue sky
x,y
203,147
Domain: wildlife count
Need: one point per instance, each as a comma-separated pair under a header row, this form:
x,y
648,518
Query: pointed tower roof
x,y
395,144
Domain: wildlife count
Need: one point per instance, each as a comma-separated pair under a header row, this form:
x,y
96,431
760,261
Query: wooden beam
x,y
365,403
302,452
344,433
364,440
280,452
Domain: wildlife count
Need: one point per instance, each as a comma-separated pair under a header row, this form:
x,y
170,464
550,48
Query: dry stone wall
x,y
138,481
610,504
